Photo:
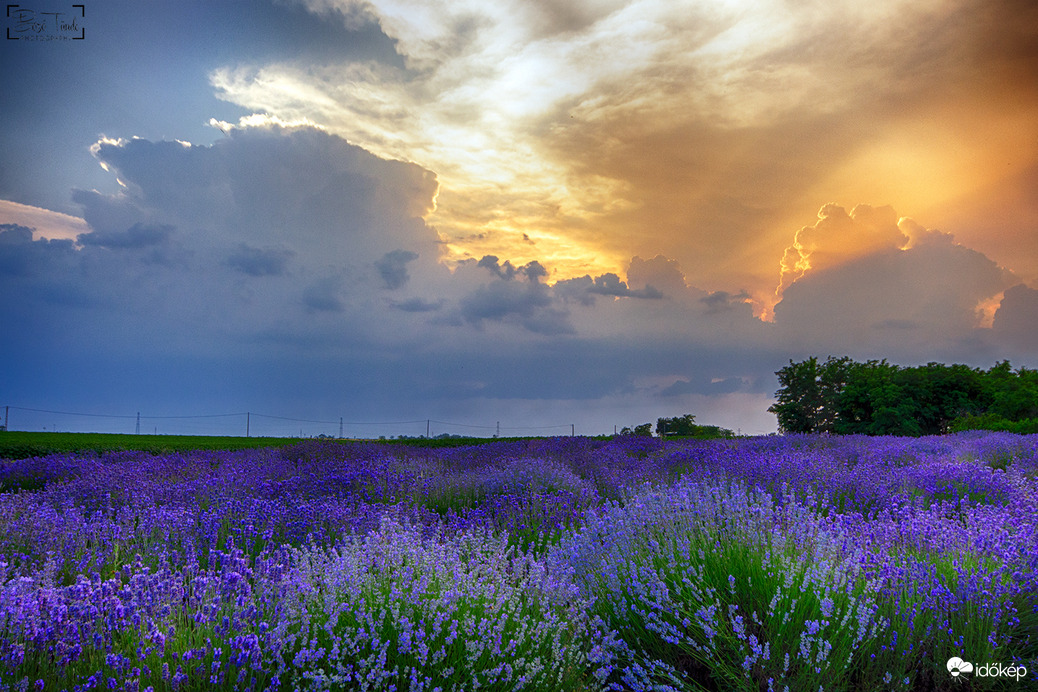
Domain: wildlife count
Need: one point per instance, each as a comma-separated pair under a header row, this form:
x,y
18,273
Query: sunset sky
x,y
533,212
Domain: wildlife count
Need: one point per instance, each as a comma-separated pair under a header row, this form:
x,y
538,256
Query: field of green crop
x,y
20,445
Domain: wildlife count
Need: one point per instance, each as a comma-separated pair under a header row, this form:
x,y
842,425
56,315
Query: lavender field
x,y
799,563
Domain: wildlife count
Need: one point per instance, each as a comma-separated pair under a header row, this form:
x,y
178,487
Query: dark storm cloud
x,y
393,267
137,237
532,271
418,305
527,303
324,295
269,184
271,261
22,256
584,289
514,295
609,284
262,201
719,301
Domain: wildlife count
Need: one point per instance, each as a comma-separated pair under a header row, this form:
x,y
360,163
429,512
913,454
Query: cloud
x,y
917,234
720,301
324,295
418,305
136,237
269,235
890,301
532,271
838,237
253,261
1016,321
21,256
528,303
107,213
393,267
584,289
269,184
610,285
659,273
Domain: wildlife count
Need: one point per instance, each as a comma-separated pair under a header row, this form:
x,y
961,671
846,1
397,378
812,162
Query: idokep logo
x,y
956,666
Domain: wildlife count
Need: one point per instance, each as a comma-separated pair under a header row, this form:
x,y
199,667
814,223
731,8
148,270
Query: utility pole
x,y
340,427
138,431
572,430
498,433
7,417
247,421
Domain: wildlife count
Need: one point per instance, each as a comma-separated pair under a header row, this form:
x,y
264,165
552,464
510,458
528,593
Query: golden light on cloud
x,y
837,238
45,223
482,109
987,308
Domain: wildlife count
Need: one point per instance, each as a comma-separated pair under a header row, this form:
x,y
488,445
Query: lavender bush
x,y
798,562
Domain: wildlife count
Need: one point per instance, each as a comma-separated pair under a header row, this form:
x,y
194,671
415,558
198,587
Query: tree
x,y
1014,396
684,425
808,399
870,402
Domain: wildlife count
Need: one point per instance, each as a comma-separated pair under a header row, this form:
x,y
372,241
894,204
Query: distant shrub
x,y
996,423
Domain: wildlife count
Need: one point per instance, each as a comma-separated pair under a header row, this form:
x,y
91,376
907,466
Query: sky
x,y
527,216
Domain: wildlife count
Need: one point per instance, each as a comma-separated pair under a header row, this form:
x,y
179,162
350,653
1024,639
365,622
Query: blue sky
x,y
586,213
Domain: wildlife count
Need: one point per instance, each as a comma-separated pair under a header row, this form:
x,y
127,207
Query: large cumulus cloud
x,y
268,183
255,234
869,283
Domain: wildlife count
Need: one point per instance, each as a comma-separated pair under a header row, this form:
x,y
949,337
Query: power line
x,y
332,422
112,415
211,415
138,417
67,413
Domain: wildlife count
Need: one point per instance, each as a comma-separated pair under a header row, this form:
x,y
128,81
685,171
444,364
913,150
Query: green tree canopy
x,y
879,398
683,425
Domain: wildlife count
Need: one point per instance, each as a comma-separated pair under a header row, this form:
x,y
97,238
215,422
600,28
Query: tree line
x,y
843,396
680,426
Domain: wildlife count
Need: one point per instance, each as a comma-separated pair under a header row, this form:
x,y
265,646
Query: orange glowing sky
x,y
580,134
